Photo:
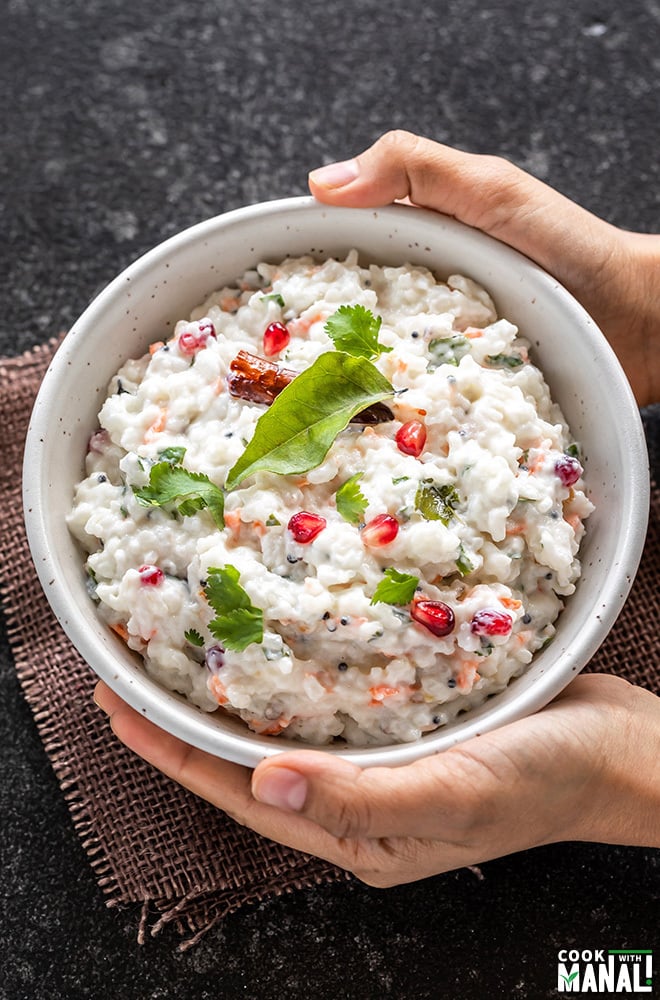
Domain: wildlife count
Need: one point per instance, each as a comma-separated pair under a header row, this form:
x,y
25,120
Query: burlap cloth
x,y
148,840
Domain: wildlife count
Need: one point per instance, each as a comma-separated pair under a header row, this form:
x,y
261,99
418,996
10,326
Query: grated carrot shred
x,y
380,692
157,427
467,675
218,691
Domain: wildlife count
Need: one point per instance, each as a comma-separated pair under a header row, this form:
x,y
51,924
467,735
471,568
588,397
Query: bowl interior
x,y
144,303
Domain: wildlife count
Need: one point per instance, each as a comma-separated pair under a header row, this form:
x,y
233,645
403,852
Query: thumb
x,y
486,192
418,800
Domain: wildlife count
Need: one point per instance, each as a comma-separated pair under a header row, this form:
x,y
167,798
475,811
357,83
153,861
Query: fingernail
x,y
336,175
98,703
281,787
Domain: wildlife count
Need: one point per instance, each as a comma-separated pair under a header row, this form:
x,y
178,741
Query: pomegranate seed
x,y
436,616
488,621
189,342
305,526
568,470
194,337
381,530
215,658
411,438
151,576
276,337
98,442
206,329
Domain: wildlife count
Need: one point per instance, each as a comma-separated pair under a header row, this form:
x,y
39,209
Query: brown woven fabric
x,y
150,841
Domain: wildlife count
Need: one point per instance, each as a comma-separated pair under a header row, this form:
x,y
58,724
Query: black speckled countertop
x,y
125,122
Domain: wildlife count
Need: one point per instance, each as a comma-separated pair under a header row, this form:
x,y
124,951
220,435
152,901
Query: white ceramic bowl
x,y
143,303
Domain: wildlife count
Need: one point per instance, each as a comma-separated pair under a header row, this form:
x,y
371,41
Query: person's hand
x,y
584,768
614,274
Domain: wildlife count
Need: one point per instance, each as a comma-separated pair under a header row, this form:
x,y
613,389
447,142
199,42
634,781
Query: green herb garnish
x,y
237,622
354,330
193,637
448,350
296,432
273,297
351,502
173,455
271,521
504,360
192,491
400,479
395,588
574,450
464,564
436,503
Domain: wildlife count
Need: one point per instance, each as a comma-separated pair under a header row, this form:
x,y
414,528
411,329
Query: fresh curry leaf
x,y
237,622
354,330
295,433
436,503
504,360
395,588
193,490
351,502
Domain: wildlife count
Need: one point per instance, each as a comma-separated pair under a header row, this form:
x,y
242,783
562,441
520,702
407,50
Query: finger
x,y
220,782
482,191
106,698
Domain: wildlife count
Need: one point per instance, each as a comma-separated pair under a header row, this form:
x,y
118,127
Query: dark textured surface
x,y
126,122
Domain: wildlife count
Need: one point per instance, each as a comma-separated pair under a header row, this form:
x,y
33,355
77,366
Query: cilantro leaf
x,y
448,350
354,330
296,432
436,503
395,588
351,502
193,637
237,622
195,491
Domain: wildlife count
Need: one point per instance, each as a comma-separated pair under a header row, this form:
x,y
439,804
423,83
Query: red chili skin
x,y
261,381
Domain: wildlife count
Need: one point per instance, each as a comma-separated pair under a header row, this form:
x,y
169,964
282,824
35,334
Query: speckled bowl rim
x,y
619,524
